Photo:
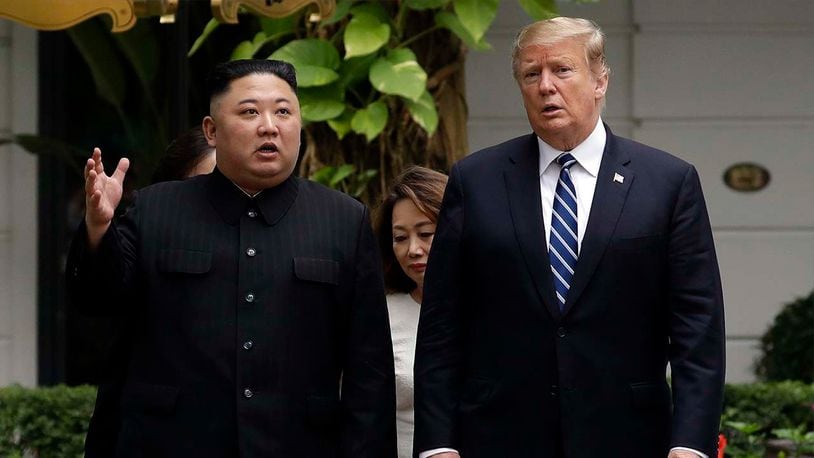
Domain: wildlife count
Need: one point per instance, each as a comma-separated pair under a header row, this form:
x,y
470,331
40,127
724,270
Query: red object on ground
x,y
721,445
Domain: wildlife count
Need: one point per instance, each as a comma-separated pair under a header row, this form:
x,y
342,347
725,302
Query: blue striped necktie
x,y
562,243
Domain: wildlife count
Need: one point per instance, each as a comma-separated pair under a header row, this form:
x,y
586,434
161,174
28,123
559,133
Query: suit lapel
x,y
612,185
523,188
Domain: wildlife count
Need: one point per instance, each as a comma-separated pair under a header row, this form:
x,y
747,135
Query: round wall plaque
x,y
746,177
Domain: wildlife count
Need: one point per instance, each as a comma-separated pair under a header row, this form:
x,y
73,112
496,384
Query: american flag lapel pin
x,y
618,178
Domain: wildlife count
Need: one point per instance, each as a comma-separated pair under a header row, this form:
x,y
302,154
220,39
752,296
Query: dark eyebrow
x,y
277,100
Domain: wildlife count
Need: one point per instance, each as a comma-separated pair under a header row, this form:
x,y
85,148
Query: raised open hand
x,y
102,194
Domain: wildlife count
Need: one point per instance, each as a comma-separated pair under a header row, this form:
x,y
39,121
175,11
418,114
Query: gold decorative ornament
x,y
61,14
746,177
226,10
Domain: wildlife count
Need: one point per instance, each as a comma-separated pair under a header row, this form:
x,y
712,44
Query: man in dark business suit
x,y
259,325
567,269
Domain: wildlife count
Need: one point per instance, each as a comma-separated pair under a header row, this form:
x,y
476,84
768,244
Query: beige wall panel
x,y
606,12
6,377
23,213
724,12
740,358
694,75
5,290
5,192
762,271
785,149
5,65
491,91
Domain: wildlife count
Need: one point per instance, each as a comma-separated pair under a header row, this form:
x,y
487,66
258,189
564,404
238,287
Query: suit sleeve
x,y
368,380
439,351
99,282
697,340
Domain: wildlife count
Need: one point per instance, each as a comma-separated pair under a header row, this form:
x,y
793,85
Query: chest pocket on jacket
x,y
317,270
184,261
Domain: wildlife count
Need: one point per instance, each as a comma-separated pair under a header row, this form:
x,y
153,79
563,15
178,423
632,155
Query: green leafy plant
x,y
787,347
756,413
773,405
380,83
44,422
802,440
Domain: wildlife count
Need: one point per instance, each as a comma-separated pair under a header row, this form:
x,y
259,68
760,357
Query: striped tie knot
x,y
566,160
563,245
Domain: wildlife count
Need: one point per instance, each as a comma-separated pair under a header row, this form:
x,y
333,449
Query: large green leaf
x,y
321,103
210,27
539,9
476,15
342,172
450,21
372,8
365,34
341,124
244,50
398,73
342,9
315,61
355,69
370,121
425,4
248,49
424,113
280,26
95,46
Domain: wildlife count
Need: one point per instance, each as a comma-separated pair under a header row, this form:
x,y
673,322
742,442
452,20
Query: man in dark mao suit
x,y
569,267
259,325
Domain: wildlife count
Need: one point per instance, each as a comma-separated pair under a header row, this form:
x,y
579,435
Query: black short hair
x,y
182,155
224,73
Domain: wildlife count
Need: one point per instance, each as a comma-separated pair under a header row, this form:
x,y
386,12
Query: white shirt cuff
x,y
436,451
690,450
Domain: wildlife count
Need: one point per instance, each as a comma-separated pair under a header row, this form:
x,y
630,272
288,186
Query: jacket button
x,y
247,393
251,252
247,345
554,391
251,213
561,332
250,297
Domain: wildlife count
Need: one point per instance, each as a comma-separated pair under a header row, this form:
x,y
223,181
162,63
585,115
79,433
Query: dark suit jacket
x,y
259,325
501,372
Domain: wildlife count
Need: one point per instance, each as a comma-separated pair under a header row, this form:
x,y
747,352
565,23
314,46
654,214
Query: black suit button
x,y
251,252
251,213
250,297
247,393
561,332
554,391
247,345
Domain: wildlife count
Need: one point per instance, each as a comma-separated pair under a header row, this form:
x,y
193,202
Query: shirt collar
x,y
231,202
588,153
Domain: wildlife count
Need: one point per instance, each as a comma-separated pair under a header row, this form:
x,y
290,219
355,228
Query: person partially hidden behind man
x,y
259,320
568,267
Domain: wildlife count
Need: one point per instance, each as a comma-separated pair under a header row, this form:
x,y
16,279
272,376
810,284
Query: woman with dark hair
x,y
187,156
405,226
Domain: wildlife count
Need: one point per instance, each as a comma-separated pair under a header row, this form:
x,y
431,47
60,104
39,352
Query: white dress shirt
x,y
583,174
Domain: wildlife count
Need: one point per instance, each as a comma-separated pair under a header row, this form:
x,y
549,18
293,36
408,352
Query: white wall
x,y
18,207
715,83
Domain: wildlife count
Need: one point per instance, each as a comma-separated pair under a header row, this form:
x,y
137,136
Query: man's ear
x,y
601,86
208,127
